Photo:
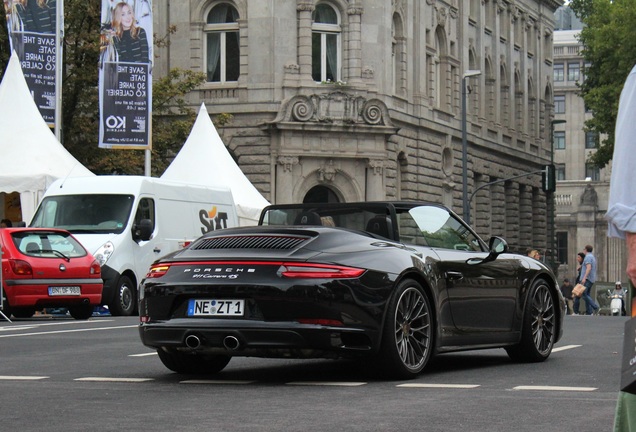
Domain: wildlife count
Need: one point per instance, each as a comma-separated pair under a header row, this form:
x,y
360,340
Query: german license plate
x,y
64,290
212,307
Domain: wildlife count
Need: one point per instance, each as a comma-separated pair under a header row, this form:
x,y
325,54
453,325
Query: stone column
x,y
285,179
354,72
525,217
375,180
305,9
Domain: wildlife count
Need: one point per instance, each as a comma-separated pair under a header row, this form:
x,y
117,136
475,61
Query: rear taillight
x,y
20,267
318,271
96,268
156,271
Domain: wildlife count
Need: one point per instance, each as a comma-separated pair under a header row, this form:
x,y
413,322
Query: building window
x,y
558,72
325,44
559,140
574,72
222,44
592,172
562,247
560,172
559,104
591,140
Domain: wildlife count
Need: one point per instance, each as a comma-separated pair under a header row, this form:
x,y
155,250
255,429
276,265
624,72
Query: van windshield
x,y
84,213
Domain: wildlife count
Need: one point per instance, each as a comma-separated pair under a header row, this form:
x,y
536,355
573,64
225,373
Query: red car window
x,y
46,244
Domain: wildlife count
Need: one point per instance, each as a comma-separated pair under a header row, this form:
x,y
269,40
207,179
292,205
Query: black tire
x,y
407,337
23,312
125,300
81,312
538,331
6,309
192,363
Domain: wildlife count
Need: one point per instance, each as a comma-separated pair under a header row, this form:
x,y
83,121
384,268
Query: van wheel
x,y
125,298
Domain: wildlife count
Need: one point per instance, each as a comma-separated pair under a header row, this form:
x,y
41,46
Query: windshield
x,y
437,227
84,213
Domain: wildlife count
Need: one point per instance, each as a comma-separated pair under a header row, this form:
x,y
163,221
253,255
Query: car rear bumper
x,y
259,339
24,293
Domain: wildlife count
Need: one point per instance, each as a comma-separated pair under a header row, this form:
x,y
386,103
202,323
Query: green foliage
x,y
172,119
609,41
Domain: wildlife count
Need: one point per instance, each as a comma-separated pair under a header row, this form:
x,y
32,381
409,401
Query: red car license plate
x,y
65,290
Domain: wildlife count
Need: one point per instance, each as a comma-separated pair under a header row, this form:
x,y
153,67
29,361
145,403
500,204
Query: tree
x,y
609,49
172,119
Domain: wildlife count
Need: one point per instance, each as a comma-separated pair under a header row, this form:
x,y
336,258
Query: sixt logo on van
x,y
212,220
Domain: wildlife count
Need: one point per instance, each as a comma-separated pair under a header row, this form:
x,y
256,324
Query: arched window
x,y
320,194
222,44
398,56
441,76
325,44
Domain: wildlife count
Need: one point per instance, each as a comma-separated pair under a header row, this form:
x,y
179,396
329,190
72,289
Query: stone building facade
x,y
352,100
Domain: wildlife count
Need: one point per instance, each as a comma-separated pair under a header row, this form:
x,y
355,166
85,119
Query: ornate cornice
x,y
336,107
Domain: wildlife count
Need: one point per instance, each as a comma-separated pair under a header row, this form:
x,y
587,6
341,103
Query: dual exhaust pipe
x,y
230,343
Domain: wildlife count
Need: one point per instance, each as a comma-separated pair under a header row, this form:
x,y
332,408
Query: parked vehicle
x,y
393,282
128,222
47,268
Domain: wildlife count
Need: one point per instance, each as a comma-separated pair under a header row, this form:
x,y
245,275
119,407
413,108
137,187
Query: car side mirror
x,y
143,230
496,246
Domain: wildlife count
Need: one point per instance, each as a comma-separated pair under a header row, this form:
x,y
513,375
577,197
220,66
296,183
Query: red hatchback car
x,y
42,268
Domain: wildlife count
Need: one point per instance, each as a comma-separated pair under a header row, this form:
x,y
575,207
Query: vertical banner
x,y
125,74
31,27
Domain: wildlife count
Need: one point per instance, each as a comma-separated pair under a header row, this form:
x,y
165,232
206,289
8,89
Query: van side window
x,y
146,210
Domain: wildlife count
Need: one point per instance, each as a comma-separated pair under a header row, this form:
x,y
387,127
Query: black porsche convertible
x,y
395,282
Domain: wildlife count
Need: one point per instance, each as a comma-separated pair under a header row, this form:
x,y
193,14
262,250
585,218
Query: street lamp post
x,y
466,209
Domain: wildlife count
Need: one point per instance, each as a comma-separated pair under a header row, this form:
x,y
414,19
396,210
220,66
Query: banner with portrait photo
x,y
31,26
125,74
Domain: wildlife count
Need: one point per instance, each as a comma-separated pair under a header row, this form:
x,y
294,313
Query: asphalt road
x,y
58,374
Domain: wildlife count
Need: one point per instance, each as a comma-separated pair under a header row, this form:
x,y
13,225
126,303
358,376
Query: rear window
x,y
47,244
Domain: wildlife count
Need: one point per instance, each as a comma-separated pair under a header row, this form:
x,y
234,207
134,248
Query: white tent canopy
x,y
31,158
204,160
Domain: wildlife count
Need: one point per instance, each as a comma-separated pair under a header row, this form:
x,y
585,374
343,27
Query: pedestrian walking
x,y
579,265
588,277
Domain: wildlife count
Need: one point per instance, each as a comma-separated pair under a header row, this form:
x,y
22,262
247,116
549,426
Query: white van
x,y
127,222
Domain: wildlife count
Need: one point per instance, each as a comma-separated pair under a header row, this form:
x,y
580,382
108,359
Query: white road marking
x,y
556,388
106,379
456,386
566,347
143,355
326,383
21,378
67,331
47,324
215,382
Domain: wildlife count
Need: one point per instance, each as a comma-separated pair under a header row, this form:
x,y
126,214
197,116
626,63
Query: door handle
x,y
452,275
156,250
